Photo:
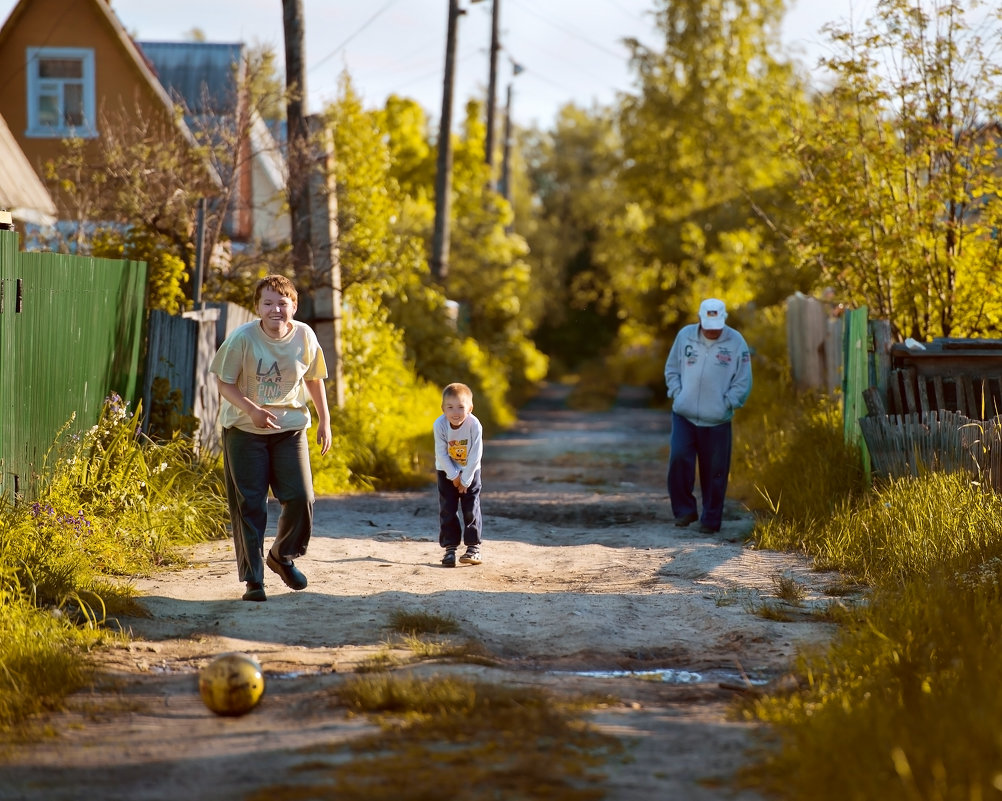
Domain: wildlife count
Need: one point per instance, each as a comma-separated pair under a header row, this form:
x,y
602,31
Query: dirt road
x,y
586,584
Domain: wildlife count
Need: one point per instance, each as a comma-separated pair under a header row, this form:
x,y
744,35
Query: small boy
x,y
459,445
265,370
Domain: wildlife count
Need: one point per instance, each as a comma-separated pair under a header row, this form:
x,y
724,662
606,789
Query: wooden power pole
x,y
299,155
492,92
443,174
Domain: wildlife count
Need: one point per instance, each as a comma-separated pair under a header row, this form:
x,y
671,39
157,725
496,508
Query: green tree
x,y
704,177
489,275
900,174
385,231
572,173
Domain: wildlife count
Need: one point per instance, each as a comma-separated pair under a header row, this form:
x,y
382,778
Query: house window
x,y
61,92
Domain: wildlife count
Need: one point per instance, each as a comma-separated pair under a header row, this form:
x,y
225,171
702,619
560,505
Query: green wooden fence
x,y
71,334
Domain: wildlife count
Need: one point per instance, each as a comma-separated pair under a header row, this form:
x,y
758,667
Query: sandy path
x,y
583,572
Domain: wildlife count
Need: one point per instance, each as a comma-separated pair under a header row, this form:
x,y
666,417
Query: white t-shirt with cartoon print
x,y
458,451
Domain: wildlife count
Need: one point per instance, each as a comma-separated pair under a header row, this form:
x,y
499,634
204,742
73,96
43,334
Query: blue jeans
x,y
710,447
253,463
450,503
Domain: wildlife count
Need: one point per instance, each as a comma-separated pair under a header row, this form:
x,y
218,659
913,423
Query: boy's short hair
x,y
277,283
457,390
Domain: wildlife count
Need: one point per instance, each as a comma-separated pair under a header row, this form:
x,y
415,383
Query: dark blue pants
x,y
450,503
710,447
253,463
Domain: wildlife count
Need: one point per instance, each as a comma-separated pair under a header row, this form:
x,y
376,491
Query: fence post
x,y
856,380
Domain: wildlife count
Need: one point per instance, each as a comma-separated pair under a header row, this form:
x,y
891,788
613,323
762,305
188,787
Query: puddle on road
x,y
671,676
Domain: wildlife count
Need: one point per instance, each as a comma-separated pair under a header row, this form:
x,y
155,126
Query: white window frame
x,y
37,84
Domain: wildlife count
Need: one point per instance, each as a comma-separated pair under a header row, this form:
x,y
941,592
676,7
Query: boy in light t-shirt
x,y
266,372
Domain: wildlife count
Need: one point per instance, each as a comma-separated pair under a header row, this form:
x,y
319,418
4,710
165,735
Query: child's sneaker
x,y
449,560
472,556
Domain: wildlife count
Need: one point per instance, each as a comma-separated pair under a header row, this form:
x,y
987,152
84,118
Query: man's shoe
x,y
255,592
449,560
708,529
472,556
682,522
291,575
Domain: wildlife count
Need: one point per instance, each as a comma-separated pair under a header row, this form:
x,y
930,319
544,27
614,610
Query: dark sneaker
x,y
682,522
291,575
704,529
471,557
255,592
449,560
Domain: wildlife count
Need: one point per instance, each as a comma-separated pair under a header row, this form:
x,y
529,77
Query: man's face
x,y
711,334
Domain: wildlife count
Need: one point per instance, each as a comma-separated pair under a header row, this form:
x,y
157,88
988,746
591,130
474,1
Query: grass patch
x,y
788,589
424,636
414,623
907,695
907,527
111,504
448,737
43,658
773,611
791,462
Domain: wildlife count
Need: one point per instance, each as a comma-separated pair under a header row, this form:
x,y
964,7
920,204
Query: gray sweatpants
x,y
253,463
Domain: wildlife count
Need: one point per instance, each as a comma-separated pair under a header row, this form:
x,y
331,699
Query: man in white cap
x,y
708,374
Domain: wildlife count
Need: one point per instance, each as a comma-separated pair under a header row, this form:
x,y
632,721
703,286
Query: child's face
x,y
276,312
456,409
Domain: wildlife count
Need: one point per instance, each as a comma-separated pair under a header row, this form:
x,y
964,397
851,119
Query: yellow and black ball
x,y
231,684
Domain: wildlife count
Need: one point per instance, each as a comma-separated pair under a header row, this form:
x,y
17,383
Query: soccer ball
x,y
231,684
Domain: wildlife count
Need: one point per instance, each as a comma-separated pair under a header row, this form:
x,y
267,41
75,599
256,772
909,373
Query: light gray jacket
x,y
708,379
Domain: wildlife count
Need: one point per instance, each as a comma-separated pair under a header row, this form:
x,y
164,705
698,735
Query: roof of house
x,y
120,33
129,46
22,193
201,76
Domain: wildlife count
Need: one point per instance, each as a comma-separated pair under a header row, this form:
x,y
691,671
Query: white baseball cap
x,y
712,313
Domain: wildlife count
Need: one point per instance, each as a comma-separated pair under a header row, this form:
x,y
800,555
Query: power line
x,y
626,11
343,44
565,30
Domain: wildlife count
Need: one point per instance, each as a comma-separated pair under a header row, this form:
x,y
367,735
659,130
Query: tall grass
x,y
904,703
111,504
791,461
41,657
903,529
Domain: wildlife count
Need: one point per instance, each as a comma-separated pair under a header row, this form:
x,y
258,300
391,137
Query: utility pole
x,y
505,186
492,92
298,135
443,176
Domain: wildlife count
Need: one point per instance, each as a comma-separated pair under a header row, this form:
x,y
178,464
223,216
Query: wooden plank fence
x,y
978,397
930,408
180,350
917,443
814,339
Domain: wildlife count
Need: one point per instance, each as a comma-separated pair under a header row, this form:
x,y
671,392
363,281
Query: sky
x,y
568,50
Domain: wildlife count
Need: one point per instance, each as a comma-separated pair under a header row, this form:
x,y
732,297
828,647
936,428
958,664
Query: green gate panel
x,y
71,334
